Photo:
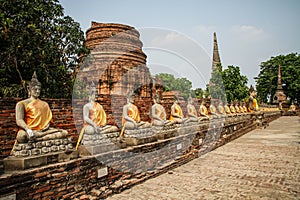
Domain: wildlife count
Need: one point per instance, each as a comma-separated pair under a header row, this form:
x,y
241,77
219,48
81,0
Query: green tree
x,y
36,36
198,93
171,83
268,77
235,84
216,87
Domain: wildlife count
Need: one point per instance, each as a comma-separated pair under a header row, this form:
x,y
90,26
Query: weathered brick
x,y
60,194
84,197
47,194
59,175
61,188
67,196
42,189
41,174
37,196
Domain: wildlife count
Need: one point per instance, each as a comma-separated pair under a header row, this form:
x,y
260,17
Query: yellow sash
x,y
178,111
227,109
193,110
203,109
133,113
221,109
97,114
37,114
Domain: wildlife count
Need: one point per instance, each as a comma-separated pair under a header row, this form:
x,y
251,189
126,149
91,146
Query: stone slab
x,y
85,150
166,135
133,141
21,163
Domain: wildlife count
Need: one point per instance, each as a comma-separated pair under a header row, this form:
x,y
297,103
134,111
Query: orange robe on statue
x,y
98,115
254,105
203,110
133,112
178,111
193,110
37,114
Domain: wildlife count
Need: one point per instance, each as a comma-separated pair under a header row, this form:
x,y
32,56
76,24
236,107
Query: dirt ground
x,y
263,164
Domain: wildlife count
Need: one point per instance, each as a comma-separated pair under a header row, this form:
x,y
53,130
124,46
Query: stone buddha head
x,y
130,97
34,88
93,93
190,100
252,91
176,99
156,98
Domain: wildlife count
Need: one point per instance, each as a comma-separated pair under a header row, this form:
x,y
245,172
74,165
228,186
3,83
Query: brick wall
x,y
126,167
64,117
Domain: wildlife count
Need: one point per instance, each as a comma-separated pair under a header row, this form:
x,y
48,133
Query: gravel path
x,y
263,164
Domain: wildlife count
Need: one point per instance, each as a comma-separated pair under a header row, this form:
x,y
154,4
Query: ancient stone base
x,y
191,128
133,141
20,163
121,143
86,150
165,134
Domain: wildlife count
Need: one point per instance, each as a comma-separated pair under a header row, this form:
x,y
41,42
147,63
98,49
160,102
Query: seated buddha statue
x,y
292,107
213,113
203,112
158,114
33,117
244,107
227,109
131,117
176,112
232,108
192,112
237,107
253,105
221,109
94,116
241,107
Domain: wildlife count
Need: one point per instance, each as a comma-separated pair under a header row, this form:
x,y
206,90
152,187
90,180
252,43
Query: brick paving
x,y
263,164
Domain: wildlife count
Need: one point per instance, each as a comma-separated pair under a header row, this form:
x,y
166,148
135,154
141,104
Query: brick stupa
x,y
117,65
118,62
279,96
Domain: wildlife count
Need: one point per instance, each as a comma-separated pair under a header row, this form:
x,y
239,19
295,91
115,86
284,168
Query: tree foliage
x,y
216,87
36,36
171,83
268,77
235,84
198,93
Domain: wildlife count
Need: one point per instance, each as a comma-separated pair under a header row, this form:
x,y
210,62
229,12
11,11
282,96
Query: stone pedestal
x,y
162,133
137,137
133,141
165,134
21,163
86,150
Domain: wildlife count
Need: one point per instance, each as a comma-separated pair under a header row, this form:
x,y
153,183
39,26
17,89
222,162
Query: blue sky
x,y
178,35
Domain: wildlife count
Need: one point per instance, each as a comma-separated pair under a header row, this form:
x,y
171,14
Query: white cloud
x,y
207,30
248,30
171,38
178,52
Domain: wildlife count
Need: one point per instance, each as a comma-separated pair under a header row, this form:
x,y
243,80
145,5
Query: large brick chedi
x,y
117,62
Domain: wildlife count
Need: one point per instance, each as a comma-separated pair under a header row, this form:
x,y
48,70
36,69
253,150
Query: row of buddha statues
x,y
35,136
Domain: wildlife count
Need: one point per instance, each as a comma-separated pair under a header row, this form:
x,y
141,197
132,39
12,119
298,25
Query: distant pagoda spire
x,y
279,83
279,96
216,57
215,61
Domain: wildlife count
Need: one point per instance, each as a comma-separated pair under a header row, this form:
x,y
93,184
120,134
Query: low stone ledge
x,y
21,163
